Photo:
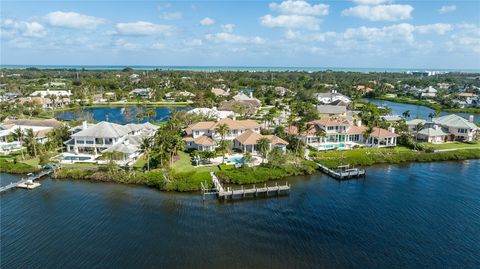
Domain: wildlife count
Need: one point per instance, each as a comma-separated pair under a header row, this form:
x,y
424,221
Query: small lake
x,y
421,111
121,115
419,215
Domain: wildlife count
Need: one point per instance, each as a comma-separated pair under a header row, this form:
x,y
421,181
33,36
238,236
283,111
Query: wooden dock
x,y
23,181
344,172
231,193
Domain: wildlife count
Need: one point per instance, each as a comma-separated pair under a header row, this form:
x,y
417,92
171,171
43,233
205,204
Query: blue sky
x,y
356,33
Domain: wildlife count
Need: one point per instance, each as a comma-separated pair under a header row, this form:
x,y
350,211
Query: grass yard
x,y
184,164
140,163
370,156
452,145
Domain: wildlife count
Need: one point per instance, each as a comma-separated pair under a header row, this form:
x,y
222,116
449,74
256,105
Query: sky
x,y
356,33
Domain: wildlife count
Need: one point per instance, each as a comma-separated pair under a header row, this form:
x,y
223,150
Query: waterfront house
x,y
204,137
458,127
40,128
49,102
144,93
445,128
328,98
242,97
340,133
250,106
248,142
363,89
90,142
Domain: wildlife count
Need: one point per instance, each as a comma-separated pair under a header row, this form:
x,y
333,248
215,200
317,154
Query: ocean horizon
x,y
236,68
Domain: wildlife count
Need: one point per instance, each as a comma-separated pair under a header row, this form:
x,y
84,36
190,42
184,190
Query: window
x,y
196,132
329,128
462,131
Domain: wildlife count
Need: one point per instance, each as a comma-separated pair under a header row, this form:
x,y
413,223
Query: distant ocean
x,y
235,68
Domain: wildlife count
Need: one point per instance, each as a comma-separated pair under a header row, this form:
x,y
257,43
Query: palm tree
x,y
434,114
247,158
145,146
420,126
263,145
367,133
320,133
31,142
222,129
18,135
406,114
150,113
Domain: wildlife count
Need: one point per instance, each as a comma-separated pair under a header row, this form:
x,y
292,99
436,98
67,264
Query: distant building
x,y
220,92
331,110
54,84
172,96
49,92
333,96
145,93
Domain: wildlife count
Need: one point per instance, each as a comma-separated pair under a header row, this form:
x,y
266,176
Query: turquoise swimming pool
x,y
332,146
237,159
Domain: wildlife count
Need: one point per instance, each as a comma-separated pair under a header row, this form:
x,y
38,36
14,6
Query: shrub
x,y
16,168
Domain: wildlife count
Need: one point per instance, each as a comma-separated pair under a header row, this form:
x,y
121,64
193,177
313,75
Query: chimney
x,y
391,129
84,125
470,118
435,127
234,116
359,123
251,94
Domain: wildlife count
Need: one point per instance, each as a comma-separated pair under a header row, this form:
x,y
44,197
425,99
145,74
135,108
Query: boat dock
x,y
27,182
343,172
231,193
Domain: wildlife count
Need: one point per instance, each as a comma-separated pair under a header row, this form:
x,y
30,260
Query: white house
x,y
92,141
212,112
332,96
458,127
49,92
54,84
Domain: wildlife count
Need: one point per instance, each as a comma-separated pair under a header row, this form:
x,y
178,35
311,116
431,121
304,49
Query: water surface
x,y
416,110
121,115
407,216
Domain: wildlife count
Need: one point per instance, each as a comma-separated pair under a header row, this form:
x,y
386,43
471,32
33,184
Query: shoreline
x,y
182,182
433,106
125,104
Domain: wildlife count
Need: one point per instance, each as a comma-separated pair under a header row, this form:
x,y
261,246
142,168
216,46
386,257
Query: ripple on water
x,y
401,216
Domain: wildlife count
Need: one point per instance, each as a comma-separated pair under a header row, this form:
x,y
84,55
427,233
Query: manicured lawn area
x,y
452,145
184,164
365,157
140,163
32,162
81,165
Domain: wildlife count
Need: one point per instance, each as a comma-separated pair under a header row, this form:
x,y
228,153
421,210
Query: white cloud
x,y
125,45
171,15
73,20
465,37
370,2
447,9
234,39
13,28
300,8
437,28
380,12
207,21
290,22
142,28
228,27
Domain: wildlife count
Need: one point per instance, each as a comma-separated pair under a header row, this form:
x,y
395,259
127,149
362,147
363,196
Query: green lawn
x,y
31,162
81,165
184,164
140,163
452,145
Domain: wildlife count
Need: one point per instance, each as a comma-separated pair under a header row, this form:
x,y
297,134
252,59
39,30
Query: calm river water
x,y
400,216
121,115
415,110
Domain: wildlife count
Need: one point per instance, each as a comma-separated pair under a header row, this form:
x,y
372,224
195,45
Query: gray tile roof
x,y
455,121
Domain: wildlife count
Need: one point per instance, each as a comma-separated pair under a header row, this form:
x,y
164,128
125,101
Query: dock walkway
x,y
24,180
231,193
343,174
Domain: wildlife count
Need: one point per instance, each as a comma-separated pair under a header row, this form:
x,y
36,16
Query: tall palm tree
x,y
18,135
367,133
145,146
263,145
420,126
30,142
406,114
320,133
222,130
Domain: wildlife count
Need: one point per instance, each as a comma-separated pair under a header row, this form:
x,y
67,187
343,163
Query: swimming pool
x,y
332,146
237,159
